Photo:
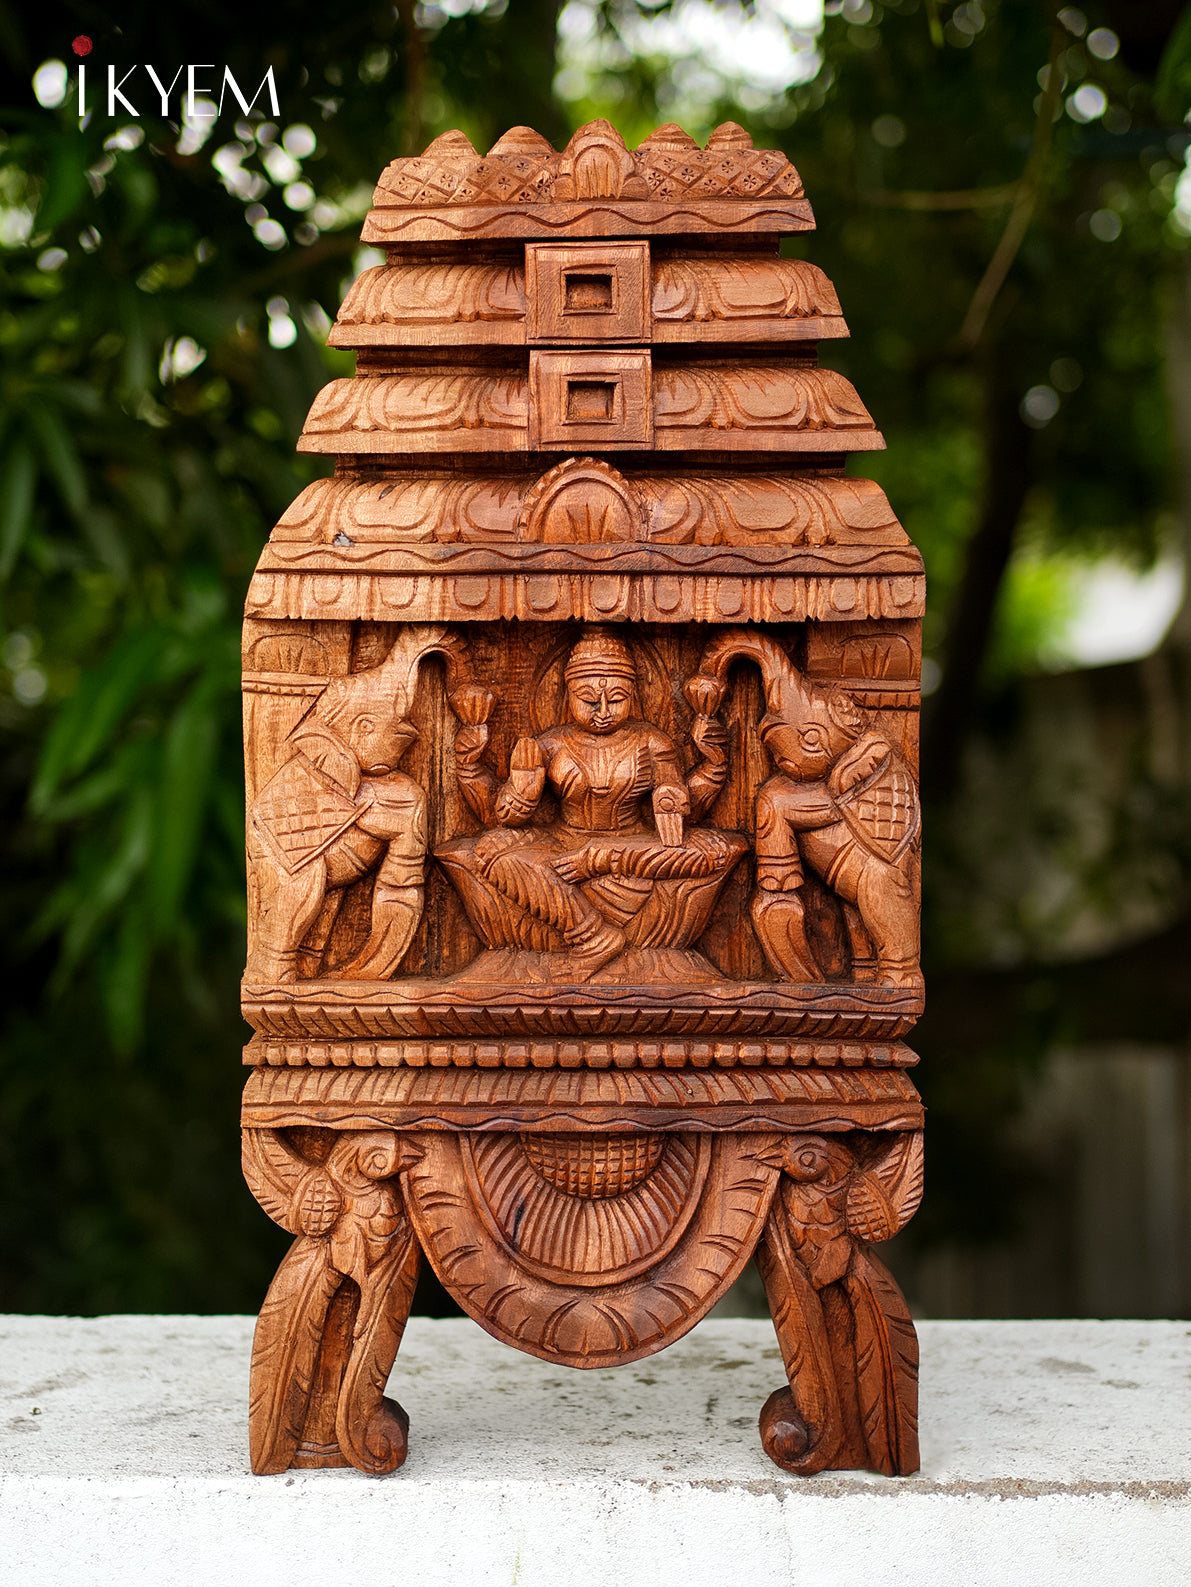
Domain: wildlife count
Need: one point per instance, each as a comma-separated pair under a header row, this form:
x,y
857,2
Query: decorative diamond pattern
x,y
457,176
300,812
885,811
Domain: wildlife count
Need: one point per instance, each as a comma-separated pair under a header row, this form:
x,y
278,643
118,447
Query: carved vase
x,y
581,710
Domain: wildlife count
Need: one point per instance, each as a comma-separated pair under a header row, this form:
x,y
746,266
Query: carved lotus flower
x,y
704,695
472,703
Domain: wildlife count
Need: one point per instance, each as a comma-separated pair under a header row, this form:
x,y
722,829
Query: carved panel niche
x,y
583,825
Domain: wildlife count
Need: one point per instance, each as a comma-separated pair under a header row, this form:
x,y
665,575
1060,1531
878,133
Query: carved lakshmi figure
x,y
619,875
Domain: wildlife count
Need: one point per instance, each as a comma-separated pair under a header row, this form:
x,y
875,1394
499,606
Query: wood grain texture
x,y
363,520
522,167
595,187
660,1273
332,1321
742,300
630,1059
336,810
642,841
847,1341
678,598
466,1009
586,294
579,401
581,736
351,1093
676,299
434,305
582,399
843,804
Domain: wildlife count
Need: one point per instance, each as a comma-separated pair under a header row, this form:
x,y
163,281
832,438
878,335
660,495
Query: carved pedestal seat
x,y
583,828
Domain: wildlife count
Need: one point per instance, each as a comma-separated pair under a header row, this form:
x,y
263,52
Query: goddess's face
x,y
600,705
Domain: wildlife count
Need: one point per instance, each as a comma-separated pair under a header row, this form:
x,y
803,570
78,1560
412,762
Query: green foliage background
x,y
136,487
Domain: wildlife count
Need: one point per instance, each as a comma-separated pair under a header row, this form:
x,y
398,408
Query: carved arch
x,y
580,501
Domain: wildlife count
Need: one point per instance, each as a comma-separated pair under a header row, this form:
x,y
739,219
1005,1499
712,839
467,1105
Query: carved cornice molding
x,y
710,300
751,406
523,187
355,515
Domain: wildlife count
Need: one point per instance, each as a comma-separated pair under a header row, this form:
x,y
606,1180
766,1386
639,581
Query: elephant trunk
x,y
398,673
789,697
705,691
390,687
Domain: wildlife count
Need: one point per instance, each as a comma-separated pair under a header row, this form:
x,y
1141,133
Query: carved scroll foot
x,y
785,1437
331,1324
846,1337
381,1444
373,1431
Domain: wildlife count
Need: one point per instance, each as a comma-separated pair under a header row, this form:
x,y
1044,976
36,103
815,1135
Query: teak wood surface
x,y
581,739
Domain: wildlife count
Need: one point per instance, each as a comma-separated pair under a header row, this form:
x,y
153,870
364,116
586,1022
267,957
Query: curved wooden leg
x,y
886,1366
372,1431
332,1321
846,1336
802,1424
289,1355
319,1444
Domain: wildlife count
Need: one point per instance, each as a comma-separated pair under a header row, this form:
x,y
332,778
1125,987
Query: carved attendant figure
x,y
337,809
843,804
603,877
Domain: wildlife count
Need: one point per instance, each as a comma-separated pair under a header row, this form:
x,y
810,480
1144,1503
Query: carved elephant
x,y
842,804
338,809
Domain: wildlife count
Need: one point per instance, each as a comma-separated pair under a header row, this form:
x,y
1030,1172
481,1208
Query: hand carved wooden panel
x,y
581,710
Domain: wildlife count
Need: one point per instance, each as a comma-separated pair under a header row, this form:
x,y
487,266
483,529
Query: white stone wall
x,y
1055,1453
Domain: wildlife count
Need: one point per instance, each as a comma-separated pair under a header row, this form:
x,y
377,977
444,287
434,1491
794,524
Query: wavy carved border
x,y
422,1010
361,1096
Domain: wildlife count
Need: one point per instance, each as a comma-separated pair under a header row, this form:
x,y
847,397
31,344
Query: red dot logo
x,y
82,45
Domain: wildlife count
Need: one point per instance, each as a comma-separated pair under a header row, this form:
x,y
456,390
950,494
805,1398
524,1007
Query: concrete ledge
x,y
1055,1453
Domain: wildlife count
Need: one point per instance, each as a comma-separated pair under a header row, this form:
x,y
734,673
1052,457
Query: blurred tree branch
x,y
1025,202
1008,476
